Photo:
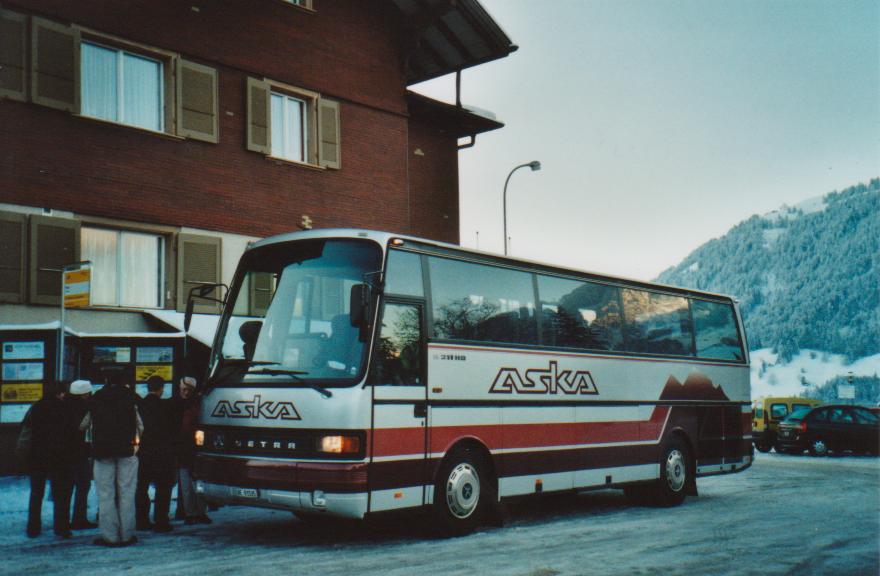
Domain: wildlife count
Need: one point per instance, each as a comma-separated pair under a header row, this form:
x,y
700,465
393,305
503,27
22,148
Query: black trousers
x,y
62,486
82,483
159,471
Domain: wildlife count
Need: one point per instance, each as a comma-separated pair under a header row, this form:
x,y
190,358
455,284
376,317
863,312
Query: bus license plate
x,y
245,492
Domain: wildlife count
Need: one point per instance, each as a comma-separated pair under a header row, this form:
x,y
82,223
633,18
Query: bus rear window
x,y
716,333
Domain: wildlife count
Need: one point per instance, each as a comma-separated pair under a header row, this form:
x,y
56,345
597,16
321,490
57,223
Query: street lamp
x,y
534,165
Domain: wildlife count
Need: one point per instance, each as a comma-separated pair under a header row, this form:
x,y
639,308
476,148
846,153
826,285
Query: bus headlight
x,y
200,437
339,444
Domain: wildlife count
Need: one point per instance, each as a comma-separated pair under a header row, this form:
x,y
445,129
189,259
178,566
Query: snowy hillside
x,y
808,369
807,276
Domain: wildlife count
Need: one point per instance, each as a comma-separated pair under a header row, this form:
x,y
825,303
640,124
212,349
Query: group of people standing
x,y
126,442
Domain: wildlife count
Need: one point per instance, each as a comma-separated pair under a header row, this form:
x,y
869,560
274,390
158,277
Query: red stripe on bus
x,y
402,441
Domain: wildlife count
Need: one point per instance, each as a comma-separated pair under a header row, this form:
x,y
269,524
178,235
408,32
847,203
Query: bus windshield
x,y
288,317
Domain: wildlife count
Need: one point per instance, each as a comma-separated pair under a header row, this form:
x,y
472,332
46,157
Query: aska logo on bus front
x,y
544,381
256,408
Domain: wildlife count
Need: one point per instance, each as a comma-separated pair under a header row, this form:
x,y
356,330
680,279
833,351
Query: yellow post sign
x,y
77,284
30,392
143,372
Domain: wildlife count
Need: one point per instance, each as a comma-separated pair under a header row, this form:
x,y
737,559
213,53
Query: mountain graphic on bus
x,y
697,386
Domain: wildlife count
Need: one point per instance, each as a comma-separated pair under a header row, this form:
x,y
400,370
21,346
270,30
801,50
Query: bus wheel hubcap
x,y
675,470
463,490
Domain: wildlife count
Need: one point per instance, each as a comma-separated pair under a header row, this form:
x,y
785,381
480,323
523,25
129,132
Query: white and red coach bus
x,y
356,372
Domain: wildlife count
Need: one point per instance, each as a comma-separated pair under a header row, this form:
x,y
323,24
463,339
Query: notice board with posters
x,y
27,365
137,358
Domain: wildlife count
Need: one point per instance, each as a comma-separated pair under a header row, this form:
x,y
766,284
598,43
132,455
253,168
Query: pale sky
x,y
661,124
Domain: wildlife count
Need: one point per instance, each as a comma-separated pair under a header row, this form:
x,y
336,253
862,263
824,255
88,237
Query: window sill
x,y
129,127
282,161
110,308
306,9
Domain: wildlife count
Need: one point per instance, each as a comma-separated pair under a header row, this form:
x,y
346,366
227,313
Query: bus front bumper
x,y
332,488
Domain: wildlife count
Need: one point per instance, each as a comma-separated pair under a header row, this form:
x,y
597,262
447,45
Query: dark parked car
x,y
834,428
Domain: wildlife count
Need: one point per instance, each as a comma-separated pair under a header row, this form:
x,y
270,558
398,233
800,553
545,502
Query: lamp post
x,y
534,165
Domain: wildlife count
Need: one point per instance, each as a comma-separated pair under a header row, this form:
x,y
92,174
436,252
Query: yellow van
x,y
767,413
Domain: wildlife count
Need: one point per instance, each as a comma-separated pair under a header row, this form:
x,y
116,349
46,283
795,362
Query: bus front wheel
x,y
463,493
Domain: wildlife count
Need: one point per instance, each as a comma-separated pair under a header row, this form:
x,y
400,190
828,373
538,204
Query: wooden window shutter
x,y
54,242
197,106
54,65
328,133
13,239
259,123
198,262
13,55
261,290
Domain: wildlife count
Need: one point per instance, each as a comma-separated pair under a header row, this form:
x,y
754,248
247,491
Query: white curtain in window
x,y
288,127
296,128
140,258
98,80
99,246
142,92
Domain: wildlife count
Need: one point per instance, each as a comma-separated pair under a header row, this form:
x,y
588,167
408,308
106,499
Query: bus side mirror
x,y
187,318
358,304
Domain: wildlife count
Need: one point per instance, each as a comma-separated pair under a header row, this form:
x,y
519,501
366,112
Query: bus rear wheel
x,y
463,493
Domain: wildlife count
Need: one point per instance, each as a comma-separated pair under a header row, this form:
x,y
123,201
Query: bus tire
x,y
463,493
676,471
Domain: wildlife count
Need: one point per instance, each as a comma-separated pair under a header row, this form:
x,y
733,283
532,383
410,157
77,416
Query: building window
x,y
294,124
121,87
127,267
290,127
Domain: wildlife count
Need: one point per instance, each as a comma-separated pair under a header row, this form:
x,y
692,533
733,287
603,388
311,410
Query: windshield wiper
x,y
296,375
229,366
244,362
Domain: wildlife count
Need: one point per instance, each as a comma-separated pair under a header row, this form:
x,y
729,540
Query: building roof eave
x,y
445,36
455,120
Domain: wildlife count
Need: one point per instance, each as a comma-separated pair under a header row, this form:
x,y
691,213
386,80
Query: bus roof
x,y
384,238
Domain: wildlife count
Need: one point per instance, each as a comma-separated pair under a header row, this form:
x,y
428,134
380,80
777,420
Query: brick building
x,y
157,138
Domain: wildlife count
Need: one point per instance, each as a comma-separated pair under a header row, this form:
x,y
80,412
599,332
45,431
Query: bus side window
x,y
398,357
404,274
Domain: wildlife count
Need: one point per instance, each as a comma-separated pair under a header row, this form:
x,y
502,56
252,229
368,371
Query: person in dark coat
x,y
186,414
50,457
77,399
116,429
156,458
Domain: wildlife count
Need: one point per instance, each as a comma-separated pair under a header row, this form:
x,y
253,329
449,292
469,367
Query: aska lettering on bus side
x,y
550,380
256,408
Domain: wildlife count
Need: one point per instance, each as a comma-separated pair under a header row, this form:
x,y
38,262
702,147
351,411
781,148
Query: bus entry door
x,y
397,374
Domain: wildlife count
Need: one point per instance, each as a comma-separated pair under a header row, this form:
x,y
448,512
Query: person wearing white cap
x,y
186,413
77,397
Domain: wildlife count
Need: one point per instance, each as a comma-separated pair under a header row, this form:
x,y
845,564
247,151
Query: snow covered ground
x,y
772,378
785,515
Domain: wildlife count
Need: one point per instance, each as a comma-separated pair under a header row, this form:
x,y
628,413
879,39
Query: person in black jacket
x,y
156,458
116,429
50,458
